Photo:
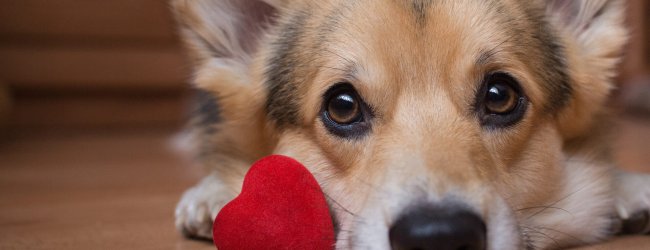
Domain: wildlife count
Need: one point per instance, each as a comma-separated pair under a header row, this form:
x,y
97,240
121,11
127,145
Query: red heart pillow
x,y
281,206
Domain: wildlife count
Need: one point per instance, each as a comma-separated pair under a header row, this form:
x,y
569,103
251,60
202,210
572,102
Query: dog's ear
x,y
593,34
224,29
222,37
596,26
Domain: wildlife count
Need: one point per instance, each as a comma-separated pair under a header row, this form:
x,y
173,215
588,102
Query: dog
x,y
429,124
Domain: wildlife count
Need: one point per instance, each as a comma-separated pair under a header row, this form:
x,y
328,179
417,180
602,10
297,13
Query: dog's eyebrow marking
x,y
282,101
485,57
420,8
348,71
558,79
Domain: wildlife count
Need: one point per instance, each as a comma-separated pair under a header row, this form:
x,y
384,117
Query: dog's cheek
x,y
535,176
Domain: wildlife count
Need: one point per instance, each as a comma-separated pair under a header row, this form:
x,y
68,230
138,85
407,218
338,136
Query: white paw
x,y
633,202
199,206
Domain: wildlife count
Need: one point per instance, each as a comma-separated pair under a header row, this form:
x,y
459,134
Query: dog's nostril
x,y
438,227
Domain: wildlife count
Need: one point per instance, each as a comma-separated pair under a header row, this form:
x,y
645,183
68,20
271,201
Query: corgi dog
x,y
429,124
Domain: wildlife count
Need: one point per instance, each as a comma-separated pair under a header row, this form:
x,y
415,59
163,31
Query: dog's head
x,y
429,123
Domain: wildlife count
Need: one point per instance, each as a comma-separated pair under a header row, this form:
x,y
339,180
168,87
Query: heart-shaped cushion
x,y
281,206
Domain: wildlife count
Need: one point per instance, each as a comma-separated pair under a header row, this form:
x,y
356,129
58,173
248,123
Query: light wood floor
x,y
118,189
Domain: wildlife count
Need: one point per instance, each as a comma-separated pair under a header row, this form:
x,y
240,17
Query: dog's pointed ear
x,y
596,25
222,37
593,35
227,29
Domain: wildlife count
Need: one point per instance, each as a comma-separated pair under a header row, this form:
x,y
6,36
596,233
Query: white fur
x,y
200,204
582,213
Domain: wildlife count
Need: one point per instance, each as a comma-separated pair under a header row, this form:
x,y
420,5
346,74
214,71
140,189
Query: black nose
x,y
440,228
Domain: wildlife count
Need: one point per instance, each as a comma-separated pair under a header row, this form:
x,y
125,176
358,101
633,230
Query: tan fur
x,y
420,76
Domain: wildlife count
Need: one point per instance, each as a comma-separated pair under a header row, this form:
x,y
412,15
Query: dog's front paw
x,y
199,206
633,203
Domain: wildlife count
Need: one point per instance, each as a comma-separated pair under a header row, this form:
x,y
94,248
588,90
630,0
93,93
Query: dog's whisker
x,y
564,233
534,231
545,207
552,205
343,208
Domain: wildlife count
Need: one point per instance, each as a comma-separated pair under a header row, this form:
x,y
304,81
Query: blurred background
x,y
92,93
92,64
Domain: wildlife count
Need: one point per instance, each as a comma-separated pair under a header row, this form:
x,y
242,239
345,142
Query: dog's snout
x,y
441,228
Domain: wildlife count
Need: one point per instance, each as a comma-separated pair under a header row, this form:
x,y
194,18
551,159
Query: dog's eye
x,y
500,98
343,108
344,113
501,102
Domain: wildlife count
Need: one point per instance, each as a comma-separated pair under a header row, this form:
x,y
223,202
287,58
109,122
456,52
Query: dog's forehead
x,y
422,34
429,31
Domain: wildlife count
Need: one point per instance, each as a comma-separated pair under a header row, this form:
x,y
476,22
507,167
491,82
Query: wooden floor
x,y
117,190
99,190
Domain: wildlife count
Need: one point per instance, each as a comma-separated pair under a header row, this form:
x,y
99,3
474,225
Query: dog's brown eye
x,y
500,98
343,108
344,113
500,102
